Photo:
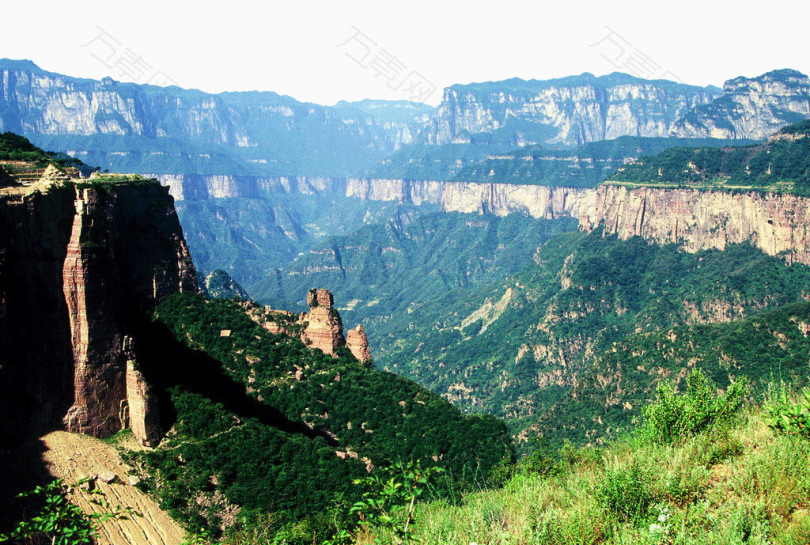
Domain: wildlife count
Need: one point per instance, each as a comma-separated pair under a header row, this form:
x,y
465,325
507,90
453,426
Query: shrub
x,y
625,493
390,498
60,522
675,417
788,416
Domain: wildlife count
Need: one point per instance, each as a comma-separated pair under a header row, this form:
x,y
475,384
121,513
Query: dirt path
x,y
71,457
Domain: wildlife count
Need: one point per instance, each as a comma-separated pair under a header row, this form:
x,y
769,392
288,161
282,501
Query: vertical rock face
x,y
36,355
568,111
357,342
778,224
750,107
324,329
142,414
147,123
78,267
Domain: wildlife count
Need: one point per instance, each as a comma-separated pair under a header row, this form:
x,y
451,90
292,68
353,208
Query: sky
x,y
326,51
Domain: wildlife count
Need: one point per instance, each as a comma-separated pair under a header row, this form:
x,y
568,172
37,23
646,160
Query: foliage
x,y
308,425
389,501
675,417
61,522
781,164
243,235
615,314
625,493
383,269
14,147
788,415
643,492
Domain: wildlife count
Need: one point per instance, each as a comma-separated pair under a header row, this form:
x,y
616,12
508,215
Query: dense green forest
x,y
244,235
382,269
517,347
780,164
767,348
266,424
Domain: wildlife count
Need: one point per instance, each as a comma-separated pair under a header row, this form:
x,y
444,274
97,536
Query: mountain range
x,y
545,252
168,130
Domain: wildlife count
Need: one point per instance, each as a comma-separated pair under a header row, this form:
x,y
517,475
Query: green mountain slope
x,y
780,164
770,346
517,347
249,237
262,423
381,269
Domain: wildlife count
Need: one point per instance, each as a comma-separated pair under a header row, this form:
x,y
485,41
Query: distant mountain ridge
x,y
576,110
169,130
568,111
144,128
750,107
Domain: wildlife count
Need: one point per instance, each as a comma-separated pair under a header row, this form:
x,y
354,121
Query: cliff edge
x,y
81,263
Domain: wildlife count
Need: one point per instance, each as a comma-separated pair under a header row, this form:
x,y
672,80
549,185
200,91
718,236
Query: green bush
x,y
61,522
625,493
788,416
390,498
675,417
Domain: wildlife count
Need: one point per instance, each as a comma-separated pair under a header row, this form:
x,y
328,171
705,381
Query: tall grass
x,y
739,482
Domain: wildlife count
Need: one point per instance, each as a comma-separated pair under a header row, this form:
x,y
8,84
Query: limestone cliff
x,y
80,264
145,128
567,111
750,107
778,224
697,219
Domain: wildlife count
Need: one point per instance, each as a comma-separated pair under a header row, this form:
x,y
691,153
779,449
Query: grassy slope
x,y
746,485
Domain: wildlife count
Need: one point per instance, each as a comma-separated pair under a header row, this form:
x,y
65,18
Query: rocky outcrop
x,y
357,342
320,328
80,265
140,410
323,328
750,107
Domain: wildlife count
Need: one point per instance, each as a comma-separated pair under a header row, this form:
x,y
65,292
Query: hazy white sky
x,y
325,51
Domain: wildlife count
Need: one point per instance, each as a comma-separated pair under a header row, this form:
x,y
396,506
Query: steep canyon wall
x,y
78,265
695,219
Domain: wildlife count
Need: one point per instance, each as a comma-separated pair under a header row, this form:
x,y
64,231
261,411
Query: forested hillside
x,y
518,347
381,269
262,424
780,164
